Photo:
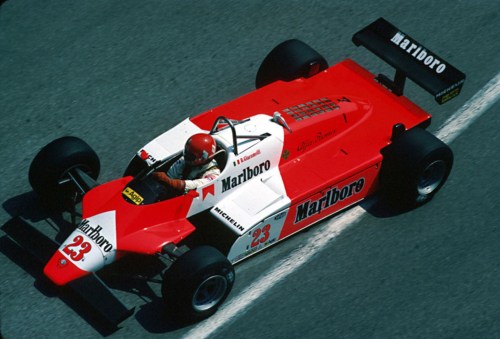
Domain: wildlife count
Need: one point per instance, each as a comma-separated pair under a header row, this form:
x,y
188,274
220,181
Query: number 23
x,y
85,247
260,235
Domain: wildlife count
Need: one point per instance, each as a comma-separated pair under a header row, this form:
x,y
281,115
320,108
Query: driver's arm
x,y
211,174
182,186
177,184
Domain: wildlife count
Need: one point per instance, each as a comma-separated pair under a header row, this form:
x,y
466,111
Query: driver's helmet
x,y
199,149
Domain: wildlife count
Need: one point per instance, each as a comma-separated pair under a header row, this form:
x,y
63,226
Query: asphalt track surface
x,y
118,73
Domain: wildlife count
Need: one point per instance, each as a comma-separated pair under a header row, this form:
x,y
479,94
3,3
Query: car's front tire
x,y
197,283
49,170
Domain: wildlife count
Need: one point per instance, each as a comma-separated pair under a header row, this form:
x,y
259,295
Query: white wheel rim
x,y
431,178
209,293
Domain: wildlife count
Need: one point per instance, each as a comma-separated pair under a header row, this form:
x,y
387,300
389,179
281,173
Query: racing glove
x,y
176,184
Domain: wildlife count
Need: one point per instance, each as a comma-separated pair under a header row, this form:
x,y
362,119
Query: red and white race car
x,y
310,141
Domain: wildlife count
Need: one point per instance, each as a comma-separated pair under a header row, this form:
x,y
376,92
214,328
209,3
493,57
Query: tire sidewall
x,y
186,275
288,61
404,163
413,196
56,159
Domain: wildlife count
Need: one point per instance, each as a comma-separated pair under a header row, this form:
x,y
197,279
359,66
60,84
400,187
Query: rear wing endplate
x,y
410,59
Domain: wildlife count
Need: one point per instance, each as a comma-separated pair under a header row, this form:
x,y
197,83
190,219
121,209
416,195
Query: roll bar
x,y
231,124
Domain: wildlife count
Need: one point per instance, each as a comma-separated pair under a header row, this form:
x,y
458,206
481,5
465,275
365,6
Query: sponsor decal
x,y
418,52
254,248
146,156
228,218
332,197
320,136
207,190
280,215
344,99
248,173
94,234
246,158
451,91
286,154
210,176
260,239
133,195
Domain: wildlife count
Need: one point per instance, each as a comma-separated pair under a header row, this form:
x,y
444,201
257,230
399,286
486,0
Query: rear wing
x,y
410,59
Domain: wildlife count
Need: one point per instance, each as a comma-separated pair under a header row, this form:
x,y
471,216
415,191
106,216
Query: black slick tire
x,y
415,167
48,170
197,283
290,60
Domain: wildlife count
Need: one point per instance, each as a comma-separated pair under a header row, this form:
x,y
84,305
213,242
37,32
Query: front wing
x,y
90,288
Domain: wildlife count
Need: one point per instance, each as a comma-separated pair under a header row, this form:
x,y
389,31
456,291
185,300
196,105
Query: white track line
x,y
326,232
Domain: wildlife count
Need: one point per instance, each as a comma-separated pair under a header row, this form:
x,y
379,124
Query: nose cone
x,y
91,246
62,270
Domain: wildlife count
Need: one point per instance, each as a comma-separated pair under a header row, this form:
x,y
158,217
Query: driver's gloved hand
x,y
176,184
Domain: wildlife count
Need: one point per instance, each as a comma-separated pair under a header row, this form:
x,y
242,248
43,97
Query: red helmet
x,y
199,149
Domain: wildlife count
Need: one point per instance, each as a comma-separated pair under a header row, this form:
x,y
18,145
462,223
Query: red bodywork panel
x,y
61,270
140,229
328,147
144,228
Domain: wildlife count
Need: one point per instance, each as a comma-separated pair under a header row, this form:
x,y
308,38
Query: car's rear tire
x,y
415,167
50,167
197,283
288,61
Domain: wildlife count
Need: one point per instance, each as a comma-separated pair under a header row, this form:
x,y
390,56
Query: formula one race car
x,y
310,141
